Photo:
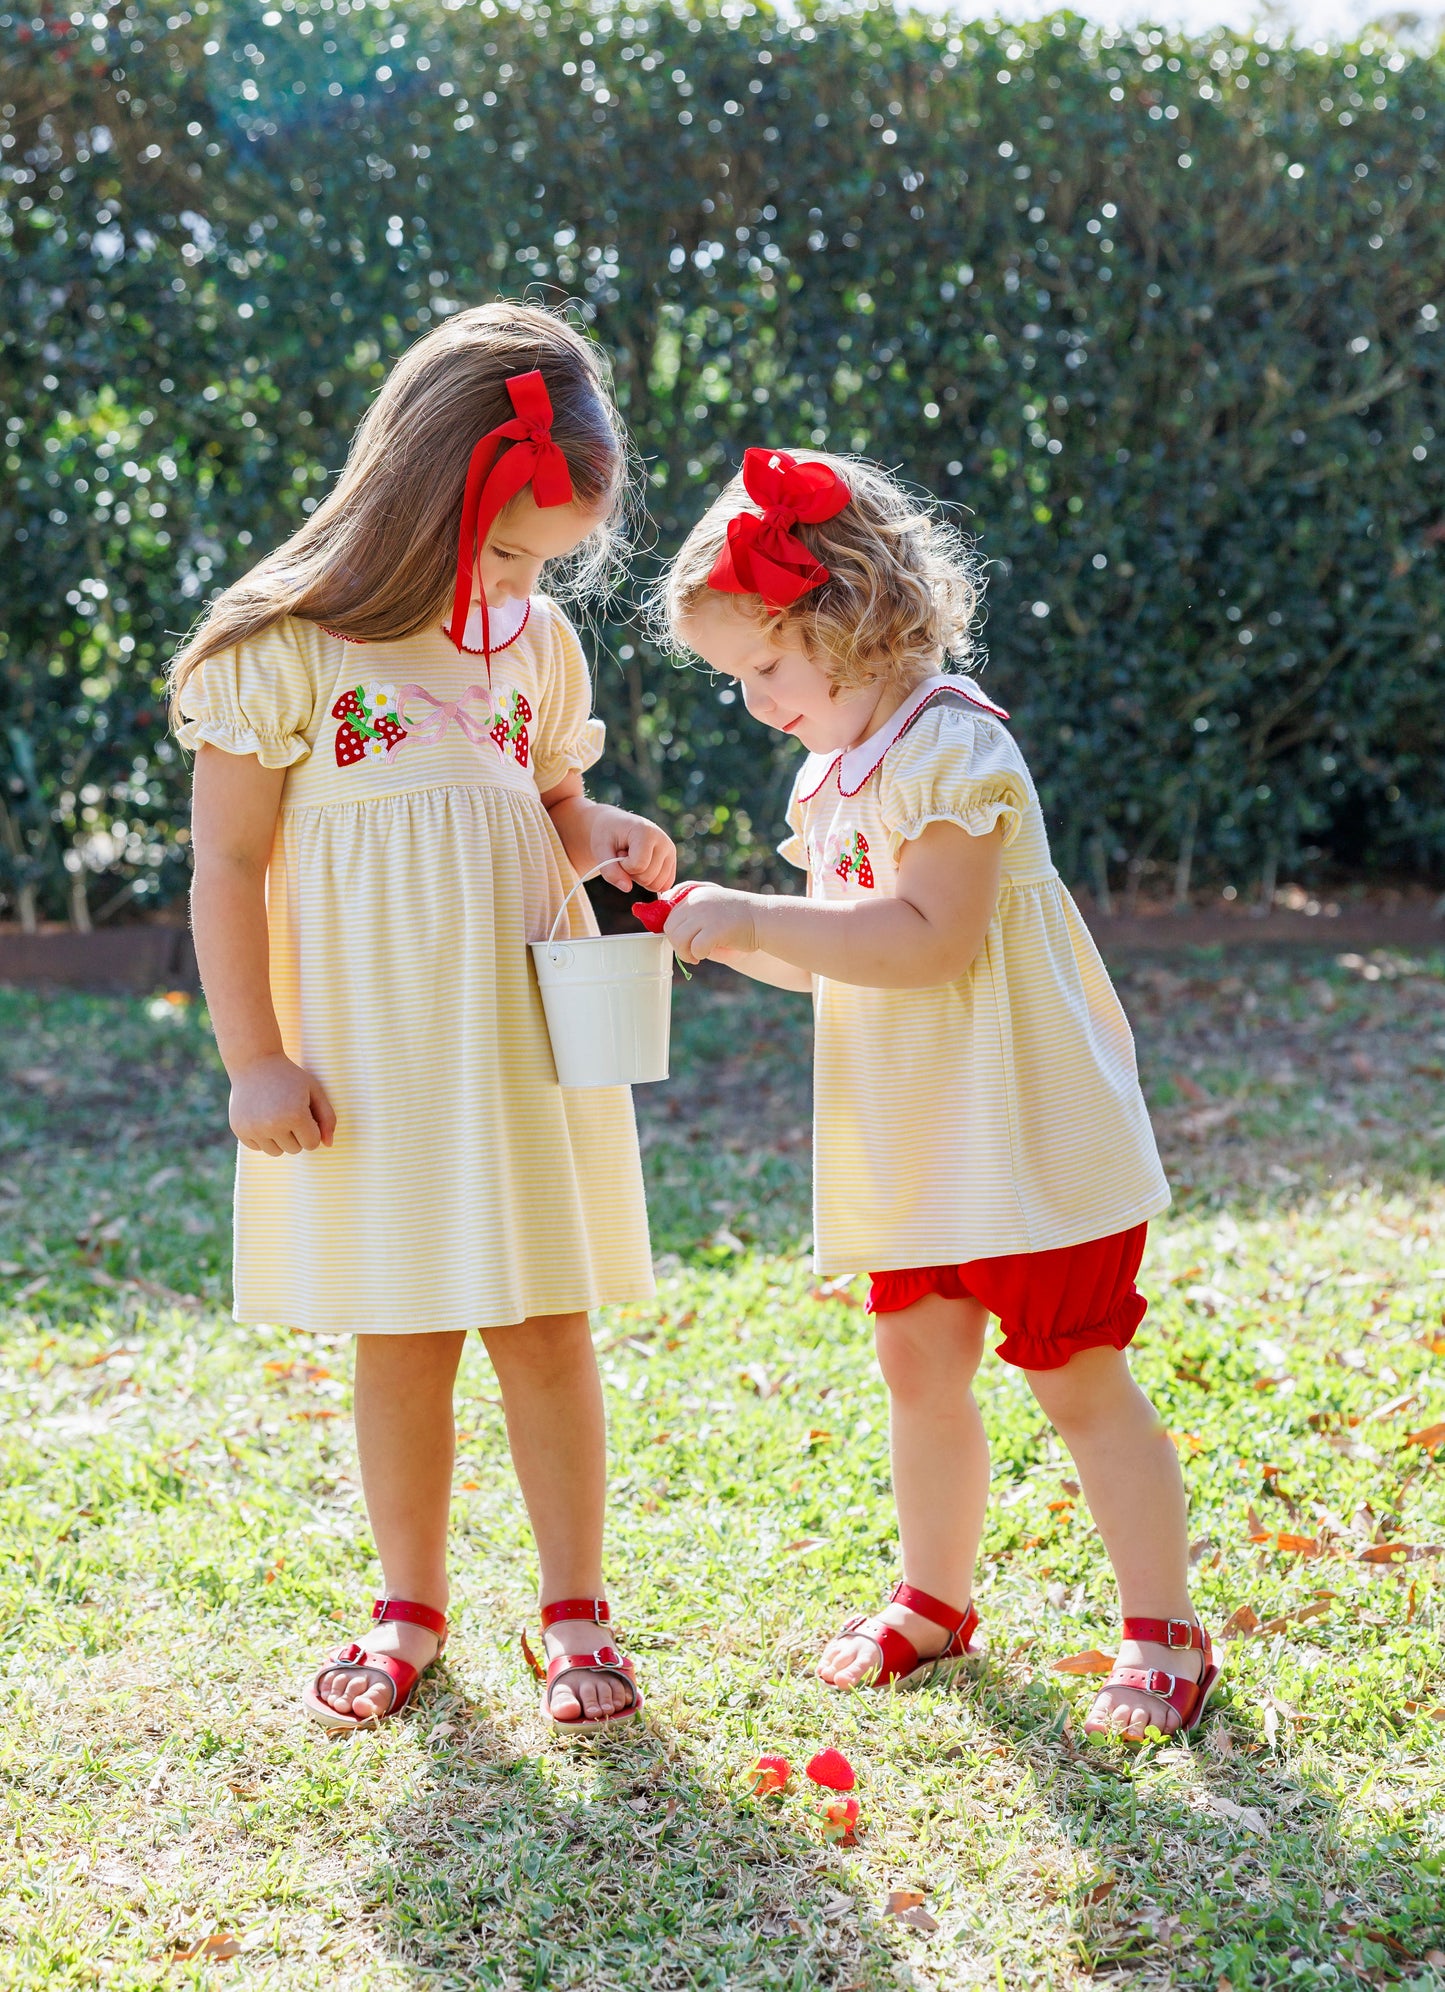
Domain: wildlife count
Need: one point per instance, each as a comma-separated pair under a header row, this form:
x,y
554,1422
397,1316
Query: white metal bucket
x,y
608,1000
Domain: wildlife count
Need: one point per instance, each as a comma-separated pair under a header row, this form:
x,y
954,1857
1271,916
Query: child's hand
x,y
643,855
712,921
279,1109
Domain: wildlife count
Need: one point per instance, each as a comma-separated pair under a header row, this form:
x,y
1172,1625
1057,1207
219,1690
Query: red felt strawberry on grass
x,y
367,730
512,715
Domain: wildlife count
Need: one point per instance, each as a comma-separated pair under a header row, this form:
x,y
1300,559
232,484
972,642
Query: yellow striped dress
x,y
413,863
1000,1113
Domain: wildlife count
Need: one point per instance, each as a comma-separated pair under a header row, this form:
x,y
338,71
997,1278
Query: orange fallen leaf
x,y
817,1437
1240,1623
1090,1662
219,1944
470,1486
1401,1552
1435,1344
279,1368
802,1546
1428,1435
1300,1617
1061,1507
316,1411
1297,1545
900,1899
1257,1530
1419,1708
1102,1888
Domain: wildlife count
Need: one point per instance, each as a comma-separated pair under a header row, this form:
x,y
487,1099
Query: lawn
x,y
184,1536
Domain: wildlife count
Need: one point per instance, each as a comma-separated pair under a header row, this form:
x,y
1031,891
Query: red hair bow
x,y
533,459
763,556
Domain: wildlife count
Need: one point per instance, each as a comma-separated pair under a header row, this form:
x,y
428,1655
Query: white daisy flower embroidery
x,y
376,749
382,699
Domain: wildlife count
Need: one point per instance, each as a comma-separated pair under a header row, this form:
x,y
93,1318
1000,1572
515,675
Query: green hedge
x,y
1162,315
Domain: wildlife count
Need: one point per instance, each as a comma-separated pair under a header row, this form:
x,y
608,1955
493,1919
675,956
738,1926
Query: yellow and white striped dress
x,y
1000,1113
413,863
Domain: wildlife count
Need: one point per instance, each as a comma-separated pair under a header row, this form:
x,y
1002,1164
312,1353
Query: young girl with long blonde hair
x,y
391,726
981,1144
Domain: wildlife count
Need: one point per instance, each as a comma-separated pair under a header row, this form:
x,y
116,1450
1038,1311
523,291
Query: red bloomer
x,y
1051,1304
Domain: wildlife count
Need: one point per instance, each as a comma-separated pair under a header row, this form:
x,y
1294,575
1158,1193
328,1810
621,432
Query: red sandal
x,y
899,1665
382,1666
1187,1698
606,1659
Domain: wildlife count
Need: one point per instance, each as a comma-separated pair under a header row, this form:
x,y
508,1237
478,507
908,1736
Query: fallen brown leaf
x,y
1298,1545
1401,1552
919,1918
1241,1621
219,1944
1102,1888
1090,1662
1428,1435
900,1899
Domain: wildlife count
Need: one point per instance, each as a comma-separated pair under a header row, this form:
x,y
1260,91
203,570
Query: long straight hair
x,y
376,560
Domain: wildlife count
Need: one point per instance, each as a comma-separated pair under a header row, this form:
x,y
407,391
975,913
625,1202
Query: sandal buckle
x,y
1186,1628
1157,1682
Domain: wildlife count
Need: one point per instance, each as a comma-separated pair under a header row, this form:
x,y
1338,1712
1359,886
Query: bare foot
x,y
1128,1712
587,1694
851,1659
351,1692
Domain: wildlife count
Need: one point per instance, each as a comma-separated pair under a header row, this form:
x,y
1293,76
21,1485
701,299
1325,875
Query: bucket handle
x,y
595,872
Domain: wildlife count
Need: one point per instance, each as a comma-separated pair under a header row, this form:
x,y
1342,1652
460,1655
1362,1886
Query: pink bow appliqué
x,y
442,713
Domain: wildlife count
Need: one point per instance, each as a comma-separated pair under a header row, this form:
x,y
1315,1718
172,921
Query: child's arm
x,y
767,968
594,833
276,1107
929,932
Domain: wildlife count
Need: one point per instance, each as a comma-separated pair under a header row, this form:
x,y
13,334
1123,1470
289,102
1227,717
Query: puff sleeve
x,y
793,847
568,736
259,697
953,767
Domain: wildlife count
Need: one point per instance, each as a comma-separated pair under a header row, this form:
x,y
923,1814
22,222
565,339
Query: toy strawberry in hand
x,y
657,912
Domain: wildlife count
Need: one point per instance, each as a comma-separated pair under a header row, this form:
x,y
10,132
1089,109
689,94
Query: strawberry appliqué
x,y
369,729
855,862
511,716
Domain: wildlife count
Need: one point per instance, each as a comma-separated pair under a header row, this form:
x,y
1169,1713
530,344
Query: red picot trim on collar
x,y
505,644
856,765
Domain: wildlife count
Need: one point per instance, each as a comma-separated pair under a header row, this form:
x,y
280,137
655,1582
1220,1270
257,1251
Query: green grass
x,y
184,1535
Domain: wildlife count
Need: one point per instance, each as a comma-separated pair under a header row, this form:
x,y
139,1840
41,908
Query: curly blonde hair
x,y
903,592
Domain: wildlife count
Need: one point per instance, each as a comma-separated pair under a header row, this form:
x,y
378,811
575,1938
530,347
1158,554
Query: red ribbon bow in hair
x,y
533,459
763,556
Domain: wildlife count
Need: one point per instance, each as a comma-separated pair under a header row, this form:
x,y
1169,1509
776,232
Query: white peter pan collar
x,y
855,764
505,624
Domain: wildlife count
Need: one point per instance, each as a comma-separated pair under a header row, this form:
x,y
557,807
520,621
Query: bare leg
x,y
928,1354
406,1440
1131,1480
547,1373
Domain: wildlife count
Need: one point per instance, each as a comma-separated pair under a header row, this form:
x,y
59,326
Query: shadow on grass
x,y
1215,1861
611,1862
